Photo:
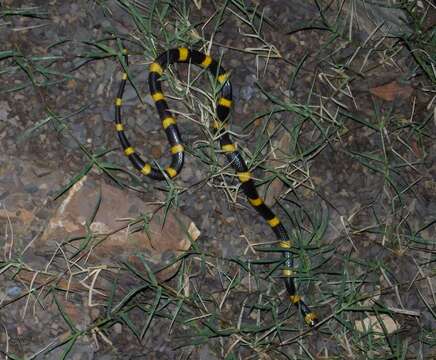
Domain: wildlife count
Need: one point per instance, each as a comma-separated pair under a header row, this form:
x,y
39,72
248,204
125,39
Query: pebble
x,y
31,188
13,291
118,328
187,174
248,90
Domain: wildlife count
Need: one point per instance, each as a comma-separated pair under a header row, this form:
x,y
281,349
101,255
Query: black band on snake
x,y
223,107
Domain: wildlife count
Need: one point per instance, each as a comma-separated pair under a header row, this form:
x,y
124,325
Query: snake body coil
x,y
223,107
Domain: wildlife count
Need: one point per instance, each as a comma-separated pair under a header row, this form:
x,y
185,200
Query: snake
x,y
220,125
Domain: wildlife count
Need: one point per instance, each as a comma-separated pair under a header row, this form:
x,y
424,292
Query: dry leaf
x,y
373,323
392,90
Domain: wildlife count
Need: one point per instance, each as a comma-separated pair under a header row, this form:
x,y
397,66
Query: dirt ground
x,y
334,111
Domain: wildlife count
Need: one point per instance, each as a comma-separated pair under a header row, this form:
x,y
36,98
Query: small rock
x,y
118,328
118,232
13,291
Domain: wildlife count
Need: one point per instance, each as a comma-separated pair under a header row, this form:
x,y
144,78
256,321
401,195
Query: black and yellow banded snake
x,y
223,107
